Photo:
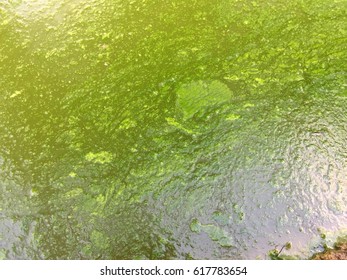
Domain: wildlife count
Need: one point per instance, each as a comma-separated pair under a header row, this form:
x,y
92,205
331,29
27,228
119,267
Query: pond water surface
x,y
181,130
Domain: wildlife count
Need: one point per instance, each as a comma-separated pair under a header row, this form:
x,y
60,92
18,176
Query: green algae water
x,y
150,129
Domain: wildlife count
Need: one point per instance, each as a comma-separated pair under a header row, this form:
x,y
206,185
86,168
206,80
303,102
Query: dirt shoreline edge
x,y
339,252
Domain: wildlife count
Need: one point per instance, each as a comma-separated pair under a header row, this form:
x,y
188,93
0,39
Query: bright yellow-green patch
x,y
101,157
16,93
232,117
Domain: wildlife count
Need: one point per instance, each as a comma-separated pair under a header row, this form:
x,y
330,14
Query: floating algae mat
x,y
172,130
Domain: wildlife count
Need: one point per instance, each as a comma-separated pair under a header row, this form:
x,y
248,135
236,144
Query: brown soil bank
x,y
338,253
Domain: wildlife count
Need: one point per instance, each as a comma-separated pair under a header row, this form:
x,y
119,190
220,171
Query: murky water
x,y
189,129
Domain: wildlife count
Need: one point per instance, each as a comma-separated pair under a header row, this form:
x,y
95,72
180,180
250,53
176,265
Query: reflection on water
x,y
148,130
